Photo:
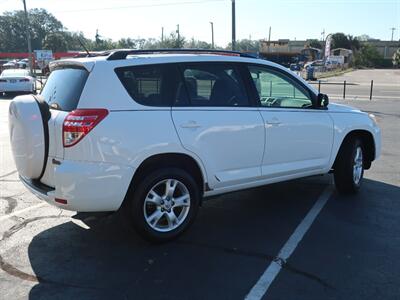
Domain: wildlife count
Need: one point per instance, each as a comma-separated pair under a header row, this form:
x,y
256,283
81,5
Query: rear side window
x,y
64,87
150,85
211,84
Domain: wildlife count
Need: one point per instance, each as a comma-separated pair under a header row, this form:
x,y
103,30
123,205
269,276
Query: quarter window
x,y
214,85
277,90
148,85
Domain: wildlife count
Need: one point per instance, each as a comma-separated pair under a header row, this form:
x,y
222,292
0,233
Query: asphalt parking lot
x,y
351,249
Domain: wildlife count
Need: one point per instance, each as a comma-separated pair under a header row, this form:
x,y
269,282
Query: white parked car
x,y
16,80
154,133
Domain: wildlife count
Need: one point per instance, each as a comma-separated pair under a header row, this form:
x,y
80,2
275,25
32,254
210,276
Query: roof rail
x,y
123,53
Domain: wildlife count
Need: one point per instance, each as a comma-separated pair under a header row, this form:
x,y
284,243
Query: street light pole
x,y
269,39
28,37
233,26
177,31
392,29
212,35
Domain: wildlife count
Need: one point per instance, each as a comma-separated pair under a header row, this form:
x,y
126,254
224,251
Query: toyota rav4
x,y
152,133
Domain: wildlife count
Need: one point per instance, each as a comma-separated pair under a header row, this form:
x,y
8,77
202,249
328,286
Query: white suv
x,y
153,132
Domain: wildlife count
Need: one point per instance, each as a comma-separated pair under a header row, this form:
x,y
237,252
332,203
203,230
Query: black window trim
x,y
291,79
236,66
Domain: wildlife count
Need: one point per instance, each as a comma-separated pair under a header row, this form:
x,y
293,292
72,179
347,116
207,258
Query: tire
x,y
141,207
349,167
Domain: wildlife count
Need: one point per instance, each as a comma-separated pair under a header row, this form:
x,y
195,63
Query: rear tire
x,y
349,167
160,216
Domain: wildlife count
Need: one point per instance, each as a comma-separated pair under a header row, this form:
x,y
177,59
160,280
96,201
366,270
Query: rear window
x,y
64,87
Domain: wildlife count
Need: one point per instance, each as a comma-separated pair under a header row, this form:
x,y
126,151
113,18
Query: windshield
x,y
14,72
64,87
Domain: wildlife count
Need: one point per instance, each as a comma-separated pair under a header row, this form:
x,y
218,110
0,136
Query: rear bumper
x,y
39,189
86,186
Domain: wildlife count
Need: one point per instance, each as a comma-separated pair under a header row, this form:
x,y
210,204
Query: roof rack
x,y
122,54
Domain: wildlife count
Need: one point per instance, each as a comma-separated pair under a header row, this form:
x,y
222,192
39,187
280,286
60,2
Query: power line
x,y
138,6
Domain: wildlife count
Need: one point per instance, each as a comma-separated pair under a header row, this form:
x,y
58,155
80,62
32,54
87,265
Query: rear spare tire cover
x,y
28,125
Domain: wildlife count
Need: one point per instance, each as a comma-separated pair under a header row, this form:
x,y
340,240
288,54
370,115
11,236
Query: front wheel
x,y
164,204
349,167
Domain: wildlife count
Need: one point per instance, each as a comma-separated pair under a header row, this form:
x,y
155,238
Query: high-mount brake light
x,y
78,123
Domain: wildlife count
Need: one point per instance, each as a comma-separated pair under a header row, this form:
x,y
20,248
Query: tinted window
x,y
214,85
149,85
278,90
64,87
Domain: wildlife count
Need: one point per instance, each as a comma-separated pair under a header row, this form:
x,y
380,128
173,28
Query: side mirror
x,y
322,100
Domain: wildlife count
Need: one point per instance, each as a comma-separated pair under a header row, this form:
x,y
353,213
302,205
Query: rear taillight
x,y
24,80
79,123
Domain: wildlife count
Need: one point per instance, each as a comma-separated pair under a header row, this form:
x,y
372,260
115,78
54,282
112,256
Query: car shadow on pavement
x,y
232,241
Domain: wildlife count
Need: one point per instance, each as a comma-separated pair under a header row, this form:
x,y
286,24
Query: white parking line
x,y
5,217
262,285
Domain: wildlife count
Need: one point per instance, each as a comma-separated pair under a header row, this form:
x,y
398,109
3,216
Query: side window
x,y
147,85
214,85
277,90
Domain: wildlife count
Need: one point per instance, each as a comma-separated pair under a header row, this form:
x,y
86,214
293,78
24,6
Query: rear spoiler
x,y
65,63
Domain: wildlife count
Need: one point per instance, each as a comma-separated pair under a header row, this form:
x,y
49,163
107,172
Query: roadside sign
x,y
43,55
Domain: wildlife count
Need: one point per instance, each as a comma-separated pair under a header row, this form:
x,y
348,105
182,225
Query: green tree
x,y
340,40
396,58
368,56
171,41
126,43
245,45
56,42
314,43
12,29
74,40
196,44
12,32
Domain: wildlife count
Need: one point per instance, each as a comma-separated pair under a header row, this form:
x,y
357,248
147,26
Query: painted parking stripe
x,y
5,217
262,285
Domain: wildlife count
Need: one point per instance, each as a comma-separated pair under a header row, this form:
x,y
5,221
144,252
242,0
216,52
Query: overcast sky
x,y
292,19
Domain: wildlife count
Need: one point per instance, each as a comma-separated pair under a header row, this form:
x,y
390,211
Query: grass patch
x,y
333,73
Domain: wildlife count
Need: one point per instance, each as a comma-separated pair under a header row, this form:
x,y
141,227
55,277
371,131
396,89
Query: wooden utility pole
x,y
392,29
28,37
212,35
233,26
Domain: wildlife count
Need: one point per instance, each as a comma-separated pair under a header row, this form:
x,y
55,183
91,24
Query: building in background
x,y
385,48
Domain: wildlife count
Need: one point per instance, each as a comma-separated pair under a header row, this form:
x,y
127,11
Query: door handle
x,y
273,121
191,124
